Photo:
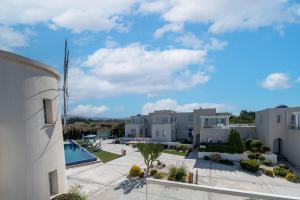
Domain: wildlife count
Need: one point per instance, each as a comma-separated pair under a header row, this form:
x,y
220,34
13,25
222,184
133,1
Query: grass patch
x,y
104,156
174,152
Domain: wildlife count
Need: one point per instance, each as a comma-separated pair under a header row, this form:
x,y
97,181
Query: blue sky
x,y
136,56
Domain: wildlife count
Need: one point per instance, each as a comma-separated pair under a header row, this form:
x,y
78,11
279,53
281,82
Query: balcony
x,y
215,121
294,127
164,120
135,121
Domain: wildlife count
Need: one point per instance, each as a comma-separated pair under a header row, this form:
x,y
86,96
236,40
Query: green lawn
x,y
174,152
104,156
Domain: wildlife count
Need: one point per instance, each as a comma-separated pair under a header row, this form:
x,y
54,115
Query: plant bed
x,y
175,152
219,148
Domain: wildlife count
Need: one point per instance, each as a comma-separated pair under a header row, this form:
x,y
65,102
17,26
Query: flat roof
x,y
21,59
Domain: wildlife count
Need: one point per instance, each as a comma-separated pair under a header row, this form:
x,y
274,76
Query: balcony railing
x,y
167,190
294,127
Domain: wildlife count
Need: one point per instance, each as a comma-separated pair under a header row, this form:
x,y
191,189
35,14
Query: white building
x,y
279,128
32,165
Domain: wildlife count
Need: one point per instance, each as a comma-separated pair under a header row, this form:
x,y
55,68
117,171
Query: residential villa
x,y
279,128
32,165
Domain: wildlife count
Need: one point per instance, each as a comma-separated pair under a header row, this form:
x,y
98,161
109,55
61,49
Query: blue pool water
x,y
74,154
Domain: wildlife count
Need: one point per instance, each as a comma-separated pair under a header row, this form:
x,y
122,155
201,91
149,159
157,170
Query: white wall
x,y
161,128
29,149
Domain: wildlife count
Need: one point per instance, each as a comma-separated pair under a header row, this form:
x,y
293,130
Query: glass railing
x,y
169,190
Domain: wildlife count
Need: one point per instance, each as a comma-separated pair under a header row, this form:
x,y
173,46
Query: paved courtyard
x,y
109,180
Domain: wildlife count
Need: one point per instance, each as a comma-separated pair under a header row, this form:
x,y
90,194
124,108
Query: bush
x,y
67,196
206,158
215,157
264,148
183,147
247,143
256,145
236,140
283,166
158,176
135,171
269,172
249,165
252,156
267,162
227,162
117,141
153,172
163,165
279,171
292,177
177,174
261,158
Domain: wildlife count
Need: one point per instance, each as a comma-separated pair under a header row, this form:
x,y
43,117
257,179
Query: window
x,y
164,133
210,140
278,119
53,183
47,108
220,140
133,131
157,133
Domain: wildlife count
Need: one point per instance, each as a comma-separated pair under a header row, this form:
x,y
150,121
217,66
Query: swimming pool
x,y
74,154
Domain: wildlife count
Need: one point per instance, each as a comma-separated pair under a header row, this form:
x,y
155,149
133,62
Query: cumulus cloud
x,y
134,69
276,81
89,110
10,38
172,104
78,16
225,16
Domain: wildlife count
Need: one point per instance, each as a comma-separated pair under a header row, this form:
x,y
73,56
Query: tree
x,y
118,131
150,153
236,140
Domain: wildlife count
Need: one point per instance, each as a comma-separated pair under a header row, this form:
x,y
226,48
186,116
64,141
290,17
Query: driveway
x,y
109,180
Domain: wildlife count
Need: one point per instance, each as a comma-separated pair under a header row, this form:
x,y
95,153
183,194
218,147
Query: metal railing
x,y
162,189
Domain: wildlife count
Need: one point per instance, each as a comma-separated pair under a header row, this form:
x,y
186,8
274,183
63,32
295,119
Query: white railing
x,y
162,189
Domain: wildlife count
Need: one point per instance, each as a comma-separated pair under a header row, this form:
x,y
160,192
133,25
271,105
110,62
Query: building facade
x,y
199,126
32,164
279,128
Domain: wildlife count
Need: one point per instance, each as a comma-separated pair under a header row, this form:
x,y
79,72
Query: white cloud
x,y
168,28
276,81
226,16
78,16
298,80
172,104
10,38
192,41
89,110
135,69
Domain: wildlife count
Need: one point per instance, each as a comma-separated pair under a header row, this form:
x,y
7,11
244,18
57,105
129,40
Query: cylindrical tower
x,y
32,164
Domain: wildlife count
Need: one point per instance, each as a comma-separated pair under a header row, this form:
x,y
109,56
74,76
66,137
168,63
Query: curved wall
x,y
29,148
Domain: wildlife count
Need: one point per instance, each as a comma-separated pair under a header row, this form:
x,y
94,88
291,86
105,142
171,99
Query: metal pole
x,y
197,177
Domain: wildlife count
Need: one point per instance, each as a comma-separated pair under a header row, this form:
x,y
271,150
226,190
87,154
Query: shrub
x,y
158,176
163,165
153,172
177,174
267,162
256,145
135,171
236,140
183,147
181,174
206,158
215,157
269,172
283,166
117,141
264,148
142,175
249,165
227,162
67,196
279,171
292,177
159,162
261,158
247,143
252,156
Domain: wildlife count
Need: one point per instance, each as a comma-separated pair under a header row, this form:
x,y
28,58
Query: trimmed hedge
x,y
219,148
235,140
249,165
267,162
256,145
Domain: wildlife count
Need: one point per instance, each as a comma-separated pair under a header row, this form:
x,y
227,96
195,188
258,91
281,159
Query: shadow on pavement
x,y
129,184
